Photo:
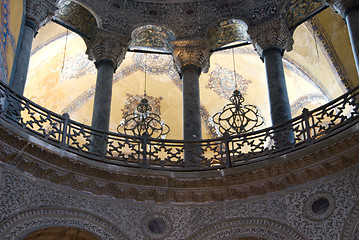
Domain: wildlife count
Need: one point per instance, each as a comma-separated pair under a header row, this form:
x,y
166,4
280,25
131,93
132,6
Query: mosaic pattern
x,y
227,32
298,10
151,36
155,63
77,17
7,40
222,81
331,54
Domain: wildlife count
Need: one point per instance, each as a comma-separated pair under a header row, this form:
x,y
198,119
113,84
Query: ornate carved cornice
x,y
191,53
40,11
274,33
107,45
343,6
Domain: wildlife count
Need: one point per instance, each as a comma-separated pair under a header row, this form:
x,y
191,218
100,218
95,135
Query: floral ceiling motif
x,y
222,81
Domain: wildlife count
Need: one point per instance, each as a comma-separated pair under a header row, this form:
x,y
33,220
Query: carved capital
x,y
191,53
107,45
342,6
271,34
40,11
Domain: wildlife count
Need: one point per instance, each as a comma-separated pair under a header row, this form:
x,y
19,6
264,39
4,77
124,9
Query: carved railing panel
x,y
144,152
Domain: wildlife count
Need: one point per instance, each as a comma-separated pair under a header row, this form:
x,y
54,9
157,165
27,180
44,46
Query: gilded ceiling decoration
x,y
76,17
226,32
297,11
154,37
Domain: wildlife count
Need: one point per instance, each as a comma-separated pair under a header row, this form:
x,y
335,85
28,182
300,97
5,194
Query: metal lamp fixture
x,y
236,118
142,122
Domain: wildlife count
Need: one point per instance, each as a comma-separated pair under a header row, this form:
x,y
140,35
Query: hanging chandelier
x,y
236,118
143,122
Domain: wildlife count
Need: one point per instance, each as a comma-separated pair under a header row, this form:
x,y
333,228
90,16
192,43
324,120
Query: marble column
x,y
352,19
191,58
38,13
191,103
23,60
108,51
270,41
103,94
277,88
349,10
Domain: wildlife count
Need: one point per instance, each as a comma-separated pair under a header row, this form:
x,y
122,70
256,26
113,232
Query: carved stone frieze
x,y
107,45
30,203
192,53
273,33
40,11
342,6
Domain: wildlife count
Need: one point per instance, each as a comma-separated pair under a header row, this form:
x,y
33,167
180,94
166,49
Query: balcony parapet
x,y
162,154
31,147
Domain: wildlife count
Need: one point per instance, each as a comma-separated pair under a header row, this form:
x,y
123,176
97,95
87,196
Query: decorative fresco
x,y
226,32
222,81
76,17
154,37
296,11
76,66
10,30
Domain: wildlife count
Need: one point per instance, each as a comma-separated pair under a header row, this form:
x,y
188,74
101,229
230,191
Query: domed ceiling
x,y
67,78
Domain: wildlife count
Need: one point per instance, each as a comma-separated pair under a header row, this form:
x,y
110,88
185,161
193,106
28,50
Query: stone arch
x,y
157,37
227,31
77,18
21,224
351,225
262,228
295,13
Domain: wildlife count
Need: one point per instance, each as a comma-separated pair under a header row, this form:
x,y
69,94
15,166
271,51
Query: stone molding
x,y
158,186
107,45
351,225
342,6
25,222
247,227
191,53
40,11
273,33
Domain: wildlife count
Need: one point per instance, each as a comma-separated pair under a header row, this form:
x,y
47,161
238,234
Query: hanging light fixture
x,y
142,122
236,118
63,60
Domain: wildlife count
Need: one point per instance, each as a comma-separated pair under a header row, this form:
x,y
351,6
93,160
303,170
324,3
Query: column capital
x,y
191,53
40,12
273,34
107,45
342,6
